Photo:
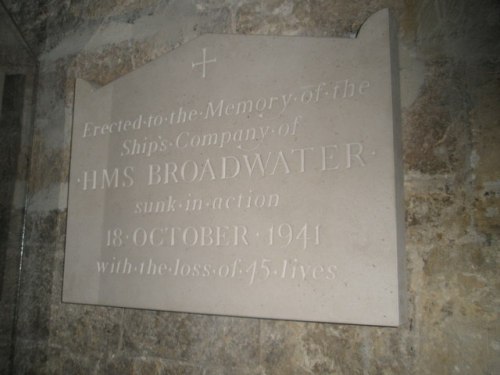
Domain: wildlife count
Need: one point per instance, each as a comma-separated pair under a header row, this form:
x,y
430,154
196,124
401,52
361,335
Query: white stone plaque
x,y
238,175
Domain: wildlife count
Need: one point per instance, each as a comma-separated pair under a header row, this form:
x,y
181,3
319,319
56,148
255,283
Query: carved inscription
x,y
211,186
203,63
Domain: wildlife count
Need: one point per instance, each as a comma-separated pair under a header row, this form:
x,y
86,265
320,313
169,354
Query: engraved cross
x,y
203,63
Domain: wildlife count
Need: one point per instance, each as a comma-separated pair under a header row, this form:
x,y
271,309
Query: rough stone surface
x,y
450,71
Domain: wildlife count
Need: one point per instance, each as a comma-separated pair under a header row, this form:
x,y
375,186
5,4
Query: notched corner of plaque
x,y
84,87
375,25
88,93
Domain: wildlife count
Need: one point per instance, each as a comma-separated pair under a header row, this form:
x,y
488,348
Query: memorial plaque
x,y
238,175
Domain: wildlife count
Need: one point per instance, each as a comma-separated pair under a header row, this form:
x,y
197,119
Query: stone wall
x,y
450,83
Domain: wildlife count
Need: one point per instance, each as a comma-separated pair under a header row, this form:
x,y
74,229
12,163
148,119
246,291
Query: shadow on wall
x,y
17,75
11,110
